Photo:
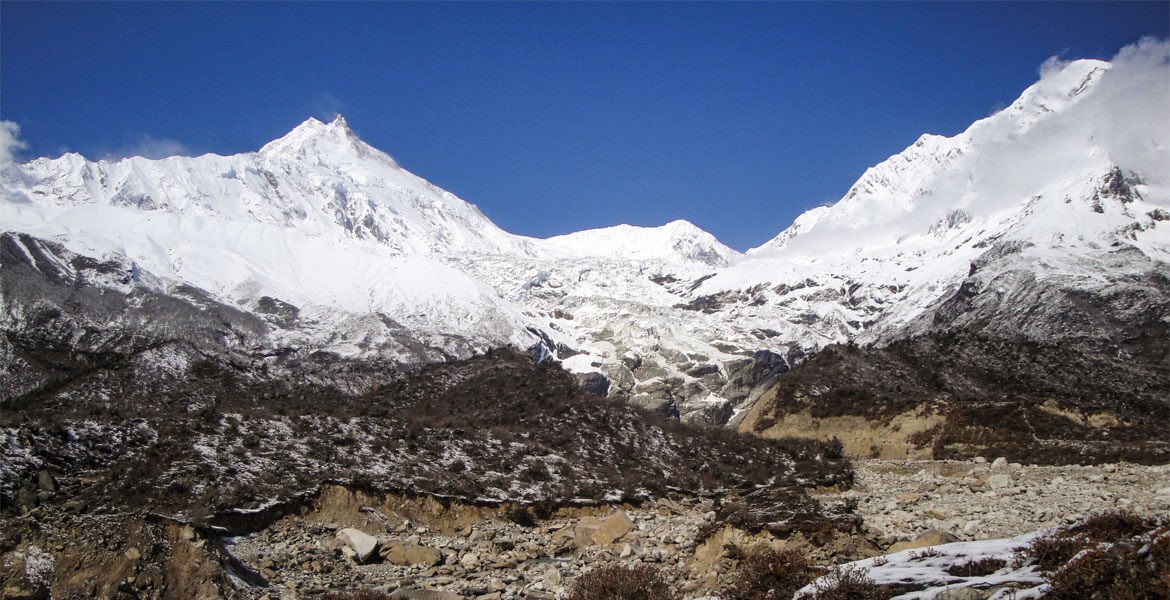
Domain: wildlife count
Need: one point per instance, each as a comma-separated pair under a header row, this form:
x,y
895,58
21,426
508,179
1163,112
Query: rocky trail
x,y
978,500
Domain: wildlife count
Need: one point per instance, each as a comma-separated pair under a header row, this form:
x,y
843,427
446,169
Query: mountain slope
x,y
1055,206
1059,183
1011,281
334,247
316,220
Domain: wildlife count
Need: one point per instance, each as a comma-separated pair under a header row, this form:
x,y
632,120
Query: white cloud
x,y
1137,136
10,142
1052,66
326,107
149,146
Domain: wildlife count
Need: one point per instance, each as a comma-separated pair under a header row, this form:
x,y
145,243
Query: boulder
x,y
583,531
964,593
469,560
405,555
612,528
930,537
362,543
662,404
594,383
999,481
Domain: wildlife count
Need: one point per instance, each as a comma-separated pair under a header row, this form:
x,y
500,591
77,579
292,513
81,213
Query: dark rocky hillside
x,y
163,439
955,394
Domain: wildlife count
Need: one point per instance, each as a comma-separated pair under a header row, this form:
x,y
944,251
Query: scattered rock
x,y
425,595
46,482
999,481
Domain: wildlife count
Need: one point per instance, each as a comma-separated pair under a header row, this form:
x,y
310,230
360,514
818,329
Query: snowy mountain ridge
x,y
1067,189
1075,168
677,241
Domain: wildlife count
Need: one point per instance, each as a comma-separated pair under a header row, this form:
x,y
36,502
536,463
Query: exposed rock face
x,y
596,384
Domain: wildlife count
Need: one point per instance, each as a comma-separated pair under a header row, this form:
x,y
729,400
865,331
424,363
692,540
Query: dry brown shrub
x,y
357,595
977,568
1114,555
621,583
1113,526
1053,550
1117,573
852,583
768,574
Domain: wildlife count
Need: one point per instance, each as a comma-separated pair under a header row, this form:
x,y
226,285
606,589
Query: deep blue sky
x,y
552,117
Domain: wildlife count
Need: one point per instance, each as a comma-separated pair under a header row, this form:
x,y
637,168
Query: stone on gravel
x,y
613,528
425,595
362,543
930,537
406,554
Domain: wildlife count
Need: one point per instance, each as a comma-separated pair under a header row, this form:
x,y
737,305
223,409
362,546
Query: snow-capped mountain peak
x,y
1060,84
679,241
329,143
993,165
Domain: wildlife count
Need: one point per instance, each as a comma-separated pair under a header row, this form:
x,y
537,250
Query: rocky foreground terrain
x,y
426,547
104,481
486,555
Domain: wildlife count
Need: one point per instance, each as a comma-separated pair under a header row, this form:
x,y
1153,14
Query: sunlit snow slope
x,y
1071,182
317,219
